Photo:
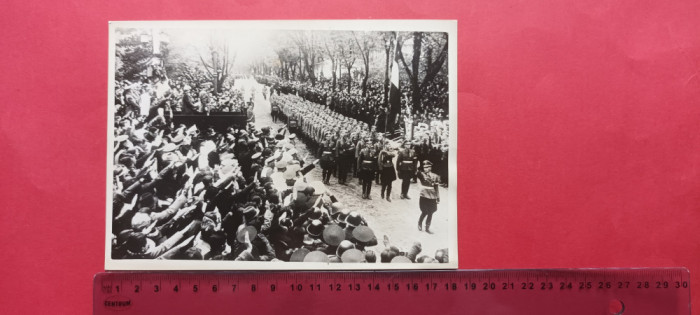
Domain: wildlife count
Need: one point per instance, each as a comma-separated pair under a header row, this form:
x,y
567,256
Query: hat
x,y
292,136
293,165
281,164
337,207
353,256
363,234
316,214
250,212
353,219
401,260
333,234
170,147
299,255
344,246
290,173
228,162
177,139
256,155
140,221
315,228
318,186
316,256
285,222
427,163
252,232
308,240
300,186
334,259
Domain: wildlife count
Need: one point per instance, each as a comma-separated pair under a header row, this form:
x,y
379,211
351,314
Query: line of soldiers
x,y
346,145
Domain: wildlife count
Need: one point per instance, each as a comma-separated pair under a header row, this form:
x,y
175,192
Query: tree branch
x,y
435,67
206,66
403,61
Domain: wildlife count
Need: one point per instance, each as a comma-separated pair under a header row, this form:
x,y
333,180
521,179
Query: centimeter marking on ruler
x,y
432,281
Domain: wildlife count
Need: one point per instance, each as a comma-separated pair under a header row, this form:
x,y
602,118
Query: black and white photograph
x,y
288,145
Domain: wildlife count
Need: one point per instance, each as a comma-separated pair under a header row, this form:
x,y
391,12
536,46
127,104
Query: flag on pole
x,y
394,91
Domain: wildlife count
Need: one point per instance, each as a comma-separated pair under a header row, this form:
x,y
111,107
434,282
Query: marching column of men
x,y
345,144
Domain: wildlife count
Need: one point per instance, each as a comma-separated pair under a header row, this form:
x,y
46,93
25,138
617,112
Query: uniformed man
x,y
429,195
406,163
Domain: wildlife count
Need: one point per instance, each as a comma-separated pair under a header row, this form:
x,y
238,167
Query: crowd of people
x,y
243,194
371,108
145,96
343,143
348,146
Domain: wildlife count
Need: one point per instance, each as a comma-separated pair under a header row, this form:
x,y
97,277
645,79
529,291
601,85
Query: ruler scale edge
x,y
667,286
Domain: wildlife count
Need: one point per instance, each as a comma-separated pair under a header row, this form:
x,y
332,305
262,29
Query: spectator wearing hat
x,y
363,236
429,195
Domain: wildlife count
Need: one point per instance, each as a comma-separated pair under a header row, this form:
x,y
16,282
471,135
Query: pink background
x,y
579,132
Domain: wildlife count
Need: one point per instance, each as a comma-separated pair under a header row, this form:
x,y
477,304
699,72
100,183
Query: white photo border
x,y
447,26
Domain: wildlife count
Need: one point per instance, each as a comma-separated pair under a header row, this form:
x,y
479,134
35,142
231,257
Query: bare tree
x,y
289,60
389,39
347,57
421,77
365,41
219,65
308,51
331,48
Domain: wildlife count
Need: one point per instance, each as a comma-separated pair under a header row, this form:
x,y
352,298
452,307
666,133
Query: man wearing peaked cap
x,y
429,195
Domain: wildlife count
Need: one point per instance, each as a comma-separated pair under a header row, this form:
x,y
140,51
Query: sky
x,y
249,45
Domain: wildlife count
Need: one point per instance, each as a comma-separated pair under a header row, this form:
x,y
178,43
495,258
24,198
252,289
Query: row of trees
x,y
300,54
135,53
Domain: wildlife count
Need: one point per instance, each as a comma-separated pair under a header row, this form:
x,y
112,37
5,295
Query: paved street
x,y
397,219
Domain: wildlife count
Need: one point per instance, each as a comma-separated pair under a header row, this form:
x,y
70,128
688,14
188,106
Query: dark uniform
x,y
429,195
406,163
387,171
327,165
345,154
368,166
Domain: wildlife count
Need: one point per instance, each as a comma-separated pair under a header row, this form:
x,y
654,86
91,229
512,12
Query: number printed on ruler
x,y
582,290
